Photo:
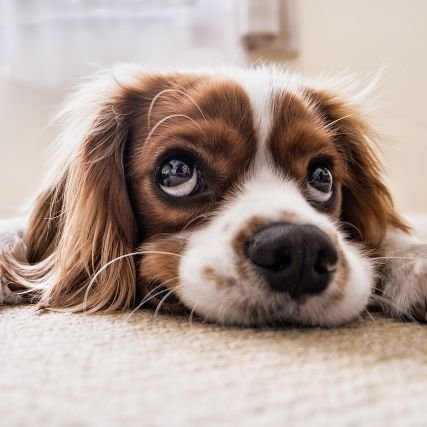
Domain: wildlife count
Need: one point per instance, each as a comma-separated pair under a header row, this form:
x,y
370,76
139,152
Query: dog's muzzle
x,y
299,259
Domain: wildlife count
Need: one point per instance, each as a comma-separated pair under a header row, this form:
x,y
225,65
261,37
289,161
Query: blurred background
x,y
47,45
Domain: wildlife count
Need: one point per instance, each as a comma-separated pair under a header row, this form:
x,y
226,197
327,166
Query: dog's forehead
x,y
254,101
262,92
288,124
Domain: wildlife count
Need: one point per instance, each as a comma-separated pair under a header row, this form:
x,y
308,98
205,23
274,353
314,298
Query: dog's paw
x,y
11,244
404,283
419,309
7,297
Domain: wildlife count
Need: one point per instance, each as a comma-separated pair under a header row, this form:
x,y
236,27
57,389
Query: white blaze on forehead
x,y
261,90
264,85
260,85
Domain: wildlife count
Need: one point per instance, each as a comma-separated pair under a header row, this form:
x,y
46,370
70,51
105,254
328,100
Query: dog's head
x,y
247,196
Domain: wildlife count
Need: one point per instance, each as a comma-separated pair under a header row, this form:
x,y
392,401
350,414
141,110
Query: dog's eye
x,y
320,184
178,177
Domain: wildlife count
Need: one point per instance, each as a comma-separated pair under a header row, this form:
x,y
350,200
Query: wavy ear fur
x,y
84,219
367,203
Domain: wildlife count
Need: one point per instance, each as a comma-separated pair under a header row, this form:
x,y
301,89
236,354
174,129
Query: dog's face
x,y
250,196
243,180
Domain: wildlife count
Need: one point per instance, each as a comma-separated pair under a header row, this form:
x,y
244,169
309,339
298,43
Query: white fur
x,y
268,196
404,272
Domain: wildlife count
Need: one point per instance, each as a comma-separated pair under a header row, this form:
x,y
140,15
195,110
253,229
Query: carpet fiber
x,y
73,370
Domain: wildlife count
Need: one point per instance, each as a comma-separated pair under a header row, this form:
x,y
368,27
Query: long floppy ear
x,y
84,220
367,203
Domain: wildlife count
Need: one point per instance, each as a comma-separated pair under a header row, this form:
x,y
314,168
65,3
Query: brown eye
x,y
178,177
320,184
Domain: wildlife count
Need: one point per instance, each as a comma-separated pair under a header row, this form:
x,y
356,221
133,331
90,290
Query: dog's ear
x,y
82,226
366,202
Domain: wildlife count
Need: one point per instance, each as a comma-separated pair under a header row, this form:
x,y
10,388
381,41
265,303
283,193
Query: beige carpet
x,y
73,370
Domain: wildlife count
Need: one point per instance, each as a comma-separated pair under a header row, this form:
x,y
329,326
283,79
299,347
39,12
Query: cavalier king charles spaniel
x,y
243,196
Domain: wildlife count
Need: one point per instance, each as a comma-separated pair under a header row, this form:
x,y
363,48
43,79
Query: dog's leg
x,y
403,276
10,243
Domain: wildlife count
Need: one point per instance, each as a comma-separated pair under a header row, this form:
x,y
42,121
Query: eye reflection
x,y
178,177
320,184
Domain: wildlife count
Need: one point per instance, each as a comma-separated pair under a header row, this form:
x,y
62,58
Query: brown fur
x,y
158,270
104,202
298,138
366,202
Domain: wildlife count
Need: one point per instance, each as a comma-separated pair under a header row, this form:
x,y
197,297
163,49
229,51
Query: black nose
x,y
296,258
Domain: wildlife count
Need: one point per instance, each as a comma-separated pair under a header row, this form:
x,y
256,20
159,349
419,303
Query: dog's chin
x,y
272,309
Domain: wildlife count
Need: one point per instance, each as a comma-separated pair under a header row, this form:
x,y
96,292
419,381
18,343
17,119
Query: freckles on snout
x,y
209,274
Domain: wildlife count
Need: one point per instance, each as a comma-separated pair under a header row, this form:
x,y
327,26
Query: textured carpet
x,y
105,370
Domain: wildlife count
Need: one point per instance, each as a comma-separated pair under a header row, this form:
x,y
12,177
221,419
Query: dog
x,y
244,196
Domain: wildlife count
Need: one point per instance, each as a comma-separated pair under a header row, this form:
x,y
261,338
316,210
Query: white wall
x,y
364,36
334,35
24,138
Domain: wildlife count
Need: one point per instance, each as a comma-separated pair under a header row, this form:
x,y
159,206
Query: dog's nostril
x,y
268,257
295,258
284,260
326,262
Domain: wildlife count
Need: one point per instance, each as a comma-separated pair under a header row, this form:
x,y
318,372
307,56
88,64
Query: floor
x,y
109,370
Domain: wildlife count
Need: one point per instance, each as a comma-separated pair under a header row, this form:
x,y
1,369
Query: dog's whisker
x,y
202,216
349,224
190,318
153,101
162,302
376,288
158,286
369,314
151,291
385,302
119,258
171,116
145,300
150,295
